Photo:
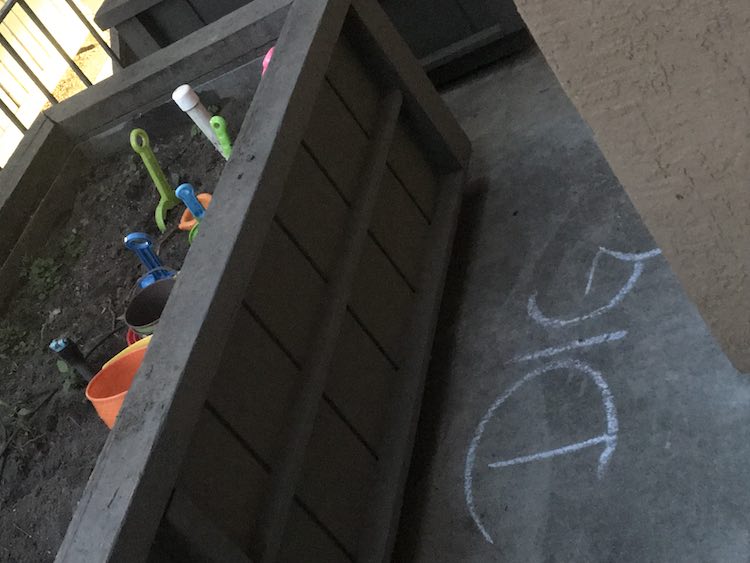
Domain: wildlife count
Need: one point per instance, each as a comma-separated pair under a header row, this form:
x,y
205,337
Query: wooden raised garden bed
x,y
274,414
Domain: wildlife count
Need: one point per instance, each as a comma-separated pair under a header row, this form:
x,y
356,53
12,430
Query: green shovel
x,y
141,145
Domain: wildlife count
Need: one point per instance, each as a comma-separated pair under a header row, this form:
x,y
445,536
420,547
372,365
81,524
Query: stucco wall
x,y
664,85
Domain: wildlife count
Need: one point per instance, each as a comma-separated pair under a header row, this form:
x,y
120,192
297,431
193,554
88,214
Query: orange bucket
x,y
108,388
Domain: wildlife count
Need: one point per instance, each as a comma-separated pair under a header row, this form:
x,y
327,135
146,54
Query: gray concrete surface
x,y
673,480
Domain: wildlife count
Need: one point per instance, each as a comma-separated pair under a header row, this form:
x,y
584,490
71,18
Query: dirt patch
x,y
91,59
50,435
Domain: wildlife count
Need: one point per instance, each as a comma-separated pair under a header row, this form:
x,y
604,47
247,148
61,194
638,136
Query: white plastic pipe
x,y
189,102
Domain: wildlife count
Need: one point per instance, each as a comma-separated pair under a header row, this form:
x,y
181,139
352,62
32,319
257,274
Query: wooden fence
x,y
38,41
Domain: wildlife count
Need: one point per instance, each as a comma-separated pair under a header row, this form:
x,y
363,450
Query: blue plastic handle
x,y
140,244
186,193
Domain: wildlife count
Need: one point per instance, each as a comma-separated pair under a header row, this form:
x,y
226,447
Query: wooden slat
x,y
285,293
223,480
254,394
349,77
226,483
255,387
122,505
338,143
256,384
188,535
314,212
396,224
113,12
353,82
210,11
336,476
376,542
28,175
410,167
133,33
174,19
53,208
400,228
287,470
360,382
304,542
381,300
389,57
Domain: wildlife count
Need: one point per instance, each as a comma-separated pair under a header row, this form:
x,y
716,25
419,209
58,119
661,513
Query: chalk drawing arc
x,y
608,438
637,259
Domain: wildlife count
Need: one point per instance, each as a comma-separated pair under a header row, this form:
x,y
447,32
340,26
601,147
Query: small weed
x,y
70,379
73,245
42,276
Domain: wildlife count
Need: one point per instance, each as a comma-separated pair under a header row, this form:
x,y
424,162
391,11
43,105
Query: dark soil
x,y
78,287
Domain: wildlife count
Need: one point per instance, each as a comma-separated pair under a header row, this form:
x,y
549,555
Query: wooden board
x,y
121,508
376,541
314,213
227,483
337,474
285,294
381,301
245,35
340,146
356,89
55,206
246,401
171,20
223,480
360,382
27,177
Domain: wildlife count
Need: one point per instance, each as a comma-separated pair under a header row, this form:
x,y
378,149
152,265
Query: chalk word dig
x,y
608,438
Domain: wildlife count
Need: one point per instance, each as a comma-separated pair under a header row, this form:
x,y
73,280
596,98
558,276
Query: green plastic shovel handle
x,y
193,232
141,145
219,125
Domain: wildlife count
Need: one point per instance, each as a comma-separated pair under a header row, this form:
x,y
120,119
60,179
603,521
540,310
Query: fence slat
x,y
30,73
73,66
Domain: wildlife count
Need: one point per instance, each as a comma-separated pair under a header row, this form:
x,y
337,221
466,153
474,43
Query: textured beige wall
x,y
664,85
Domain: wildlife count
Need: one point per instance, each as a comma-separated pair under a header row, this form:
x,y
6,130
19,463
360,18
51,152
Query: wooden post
x,y
664,86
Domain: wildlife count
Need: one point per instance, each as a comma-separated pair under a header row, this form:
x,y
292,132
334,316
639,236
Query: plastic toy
x,y
108,388
132,337
141,145
267,60
141,245
219,125
189,102
145,309
69,352
195,211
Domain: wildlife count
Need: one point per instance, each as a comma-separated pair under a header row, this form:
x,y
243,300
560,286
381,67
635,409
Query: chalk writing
x,y
636,259
587,343
609,438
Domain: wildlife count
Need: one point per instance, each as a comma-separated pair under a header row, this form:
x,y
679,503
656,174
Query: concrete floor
x,y
616,425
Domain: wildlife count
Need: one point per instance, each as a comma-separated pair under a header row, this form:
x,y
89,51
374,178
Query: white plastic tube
x,y
189,102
